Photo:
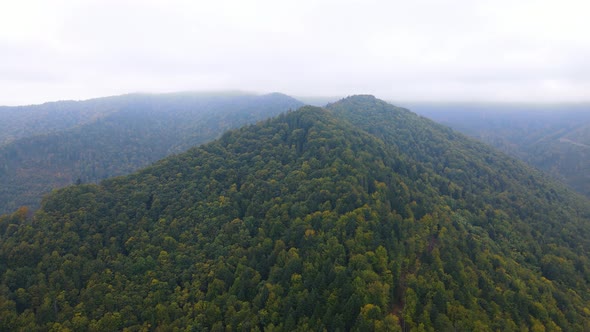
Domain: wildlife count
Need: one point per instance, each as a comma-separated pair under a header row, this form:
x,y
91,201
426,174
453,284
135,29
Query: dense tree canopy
x,y
361,216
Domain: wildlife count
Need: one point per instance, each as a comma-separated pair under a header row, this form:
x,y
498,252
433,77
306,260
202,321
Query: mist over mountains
x,y
356,216
463,204
554,138
55,144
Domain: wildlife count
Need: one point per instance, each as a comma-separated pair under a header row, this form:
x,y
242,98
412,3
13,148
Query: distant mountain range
x,y
48,146
360,216
553,138
55,144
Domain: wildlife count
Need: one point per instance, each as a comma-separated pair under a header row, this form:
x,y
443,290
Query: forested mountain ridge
x,y
18,122
32,120
553,138
127,133
361,216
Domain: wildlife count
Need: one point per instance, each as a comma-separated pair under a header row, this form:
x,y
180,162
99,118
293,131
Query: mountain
x,y
553,138
361,216
24,121
117,135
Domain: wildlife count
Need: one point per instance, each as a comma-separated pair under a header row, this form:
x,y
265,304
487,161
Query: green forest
x,y
553,138
113,136
360,216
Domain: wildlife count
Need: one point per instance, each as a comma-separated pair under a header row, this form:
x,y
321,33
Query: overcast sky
x,y
456,50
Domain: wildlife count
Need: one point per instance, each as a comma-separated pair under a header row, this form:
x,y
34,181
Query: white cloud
x,y
423,49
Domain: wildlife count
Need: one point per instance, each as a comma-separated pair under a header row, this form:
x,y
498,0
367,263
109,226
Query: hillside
x,y
129,132
361,216
18,122
553,138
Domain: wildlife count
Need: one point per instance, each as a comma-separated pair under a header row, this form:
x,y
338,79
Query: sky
x,y
419,50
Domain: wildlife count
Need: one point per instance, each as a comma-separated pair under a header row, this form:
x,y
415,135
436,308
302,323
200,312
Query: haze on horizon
x,y
424,50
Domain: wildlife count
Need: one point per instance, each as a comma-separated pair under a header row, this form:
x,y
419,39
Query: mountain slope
x,y
553,138
360,217
132,132
18,122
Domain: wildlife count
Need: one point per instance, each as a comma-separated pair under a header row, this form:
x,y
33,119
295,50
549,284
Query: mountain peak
x,y
362,104
357,99
365,97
